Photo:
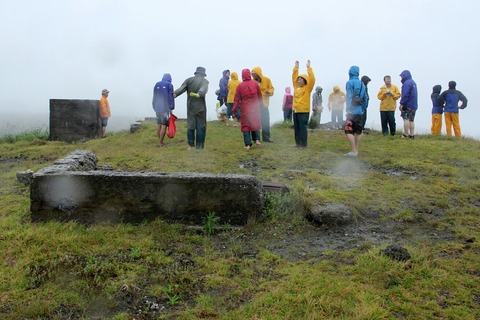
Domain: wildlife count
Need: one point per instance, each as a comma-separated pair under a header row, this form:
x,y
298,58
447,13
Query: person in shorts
x,y
408,104
104,112
356,100
163,103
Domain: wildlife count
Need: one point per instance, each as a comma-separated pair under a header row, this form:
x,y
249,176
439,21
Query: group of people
x,y
247,102
447,103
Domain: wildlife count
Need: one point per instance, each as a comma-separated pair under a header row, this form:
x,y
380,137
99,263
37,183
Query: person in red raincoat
x,y
248,98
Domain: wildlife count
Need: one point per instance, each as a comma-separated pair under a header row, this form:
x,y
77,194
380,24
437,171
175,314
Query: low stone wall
x,y
72,189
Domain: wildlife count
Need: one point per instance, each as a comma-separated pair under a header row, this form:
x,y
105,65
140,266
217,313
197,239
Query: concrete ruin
x,y
74,120
74,189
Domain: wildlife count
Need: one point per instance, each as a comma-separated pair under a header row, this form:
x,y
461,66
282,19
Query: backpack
x,y
357,98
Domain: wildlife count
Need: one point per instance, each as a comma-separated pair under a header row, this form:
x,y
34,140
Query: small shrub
x,y
277,205
211,222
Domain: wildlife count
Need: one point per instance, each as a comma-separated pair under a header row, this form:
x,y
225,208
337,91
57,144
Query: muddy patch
x,y
313,241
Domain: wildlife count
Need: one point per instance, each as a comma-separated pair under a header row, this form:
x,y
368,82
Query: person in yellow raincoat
x,y
267,90
232,87
336,104
303,85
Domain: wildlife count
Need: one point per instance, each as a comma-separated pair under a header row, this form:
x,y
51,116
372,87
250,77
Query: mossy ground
x,y
422,194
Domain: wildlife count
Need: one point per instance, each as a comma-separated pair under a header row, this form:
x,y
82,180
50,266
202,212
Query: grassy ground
x,y
422,194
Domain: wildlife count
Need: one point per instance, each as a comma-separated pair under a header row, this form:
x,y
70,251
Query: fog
x,y
74,49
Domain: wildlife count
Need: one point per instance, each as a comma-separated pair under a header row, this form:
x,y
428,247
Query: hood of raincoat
x,y
405,75
354,72
258,71
246,75
437,88
288,90
336,88
319,89
234,76
365,80
167,77
305,77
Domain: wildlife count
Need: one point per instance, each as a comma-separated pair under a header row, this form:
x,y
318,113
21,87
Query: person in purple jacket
x,y
223,89
408,104
163,103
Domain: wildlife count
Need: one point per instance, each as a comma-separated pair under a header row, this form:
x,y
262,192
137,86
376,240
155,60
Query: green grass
x,y
428,188
30,136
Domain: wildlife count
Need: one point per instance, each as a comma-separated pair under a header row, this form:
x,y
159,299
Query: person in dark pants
x,y
197,88
388,96
365,80
303,86
287,105
267,91
249,97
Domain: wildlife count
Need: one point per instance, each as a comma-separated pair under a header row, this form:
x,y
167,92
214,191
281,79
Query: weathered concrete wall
x,y
64,192
72,120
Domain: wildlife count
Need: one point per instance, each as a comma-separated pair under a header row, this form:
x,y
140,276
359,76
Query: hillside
x,y
421,194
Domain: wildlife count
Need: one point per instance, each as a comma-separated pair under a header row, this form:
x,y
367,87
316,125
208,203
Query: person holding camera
x,y
388,96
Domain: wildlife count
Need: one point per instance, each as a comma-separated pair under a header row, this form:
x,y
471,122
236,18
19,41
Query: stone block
x,y
74,120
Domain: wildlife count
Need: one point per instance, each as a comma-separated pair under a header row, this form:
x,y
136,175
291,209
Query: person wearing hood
x,y
163,103
223,87
222,93
449,99
248,96
232,86
287,105
408,104
388,96
317,108
356,105
336,104
197,88
365,80
303,85
267,91
437,110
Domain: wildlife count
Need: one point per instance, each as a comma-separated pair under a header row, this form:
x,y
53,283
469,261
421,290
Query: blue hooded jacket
x,y
436,107
223,84
409,98
163,100
353,87
449,99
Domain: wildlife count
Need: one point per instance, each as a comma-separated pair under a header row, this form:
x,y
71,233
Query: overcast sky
x,y
72,49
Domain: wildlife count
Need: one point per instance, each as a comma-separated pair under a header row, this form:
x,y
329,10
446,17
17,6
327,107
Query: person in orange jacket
x,y
104,111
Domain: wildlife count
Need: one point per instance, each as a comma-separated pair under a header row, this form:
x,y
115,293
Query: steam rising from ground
x,y
66,192
351,172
